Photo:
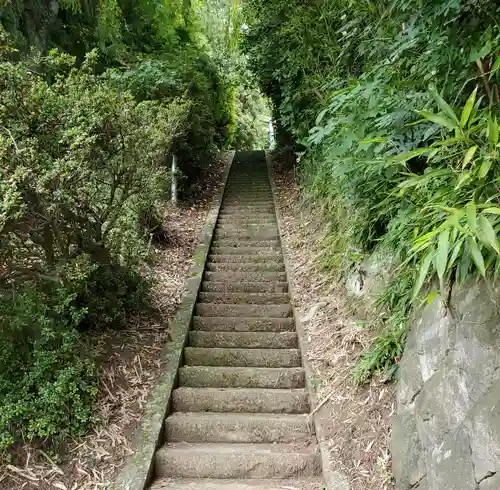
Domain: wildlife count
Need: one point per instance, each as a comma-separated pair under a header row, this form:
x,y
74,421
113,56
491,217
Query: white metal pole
x,y
174,180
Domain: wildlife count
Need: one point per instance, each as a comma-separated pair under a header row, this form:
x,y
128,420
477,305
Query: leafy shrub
x,y
47,382
380,97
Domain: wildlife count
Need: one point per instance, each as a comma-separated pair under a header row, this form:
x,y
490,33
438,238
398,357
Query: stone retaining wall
x,y
446,433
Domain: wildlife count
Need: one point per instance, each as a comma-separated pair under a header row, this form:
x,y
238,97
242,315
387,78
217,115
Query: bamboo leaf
x,y
455,252
484,168
492,210
422,274
493,131
445,107
488,233
462,179
469,154
321,115
411,154
477,256
438,119
495,68
442,253
470,209
466,112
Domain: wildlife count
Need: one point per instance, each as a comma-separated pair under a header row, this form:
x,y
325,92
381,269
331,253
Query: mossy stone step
x,y
240,400
242,324
243,244
213,356
267,311
250,267
244,298
271,251
276,258
232,276
244,287
241,377
246,221
228,484
252,235
223,460
247,340
238,427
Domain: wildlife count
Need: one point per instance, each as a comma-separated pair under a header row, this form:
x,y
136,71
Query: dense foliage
x,y
95,97
393,107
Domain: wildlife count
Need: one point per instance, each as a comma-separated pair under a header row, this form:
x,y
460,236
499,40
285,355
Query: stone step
x,y
242,244
252,196
241,377
237,427
241,324
254,484
238,259
224,460
244,298
249,227
248,206
232,276
247,400
247,251
270,311
246,340
247,211
213,356
257,235
253,201
248,287
250,267
247,219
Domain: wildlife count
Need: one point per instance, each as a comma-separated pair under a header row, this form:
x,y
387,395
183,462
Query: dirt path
x,y
356,420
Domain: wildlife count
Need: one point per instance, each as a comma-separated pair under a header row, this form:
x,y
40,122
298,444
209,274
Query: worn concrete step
x,y
225,460
275,258
235,243
250,267
244,298
244,340
254,196
245,213
212,356
247,400
247,229
254,484
247,287
247,206
232,276
258,235
270,311
248,201
235,250
251,227
201,427
247,219
242,324
248,209
241,377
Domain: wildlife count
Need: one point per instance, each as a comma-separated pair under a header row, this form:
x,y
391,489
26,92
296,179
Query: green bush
x,y
48,384
396,108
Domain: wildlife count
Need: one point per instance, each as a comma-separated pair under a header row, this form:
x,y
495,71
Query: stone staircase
x,y
239,418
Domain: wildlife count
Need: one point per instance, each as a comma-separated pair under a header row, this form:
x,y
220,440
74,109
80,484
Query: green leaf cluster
x,y
393,107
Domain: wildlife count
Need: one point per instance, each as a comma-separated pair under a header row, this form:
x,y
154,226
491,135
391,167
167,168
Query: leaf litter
x,y
356,420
